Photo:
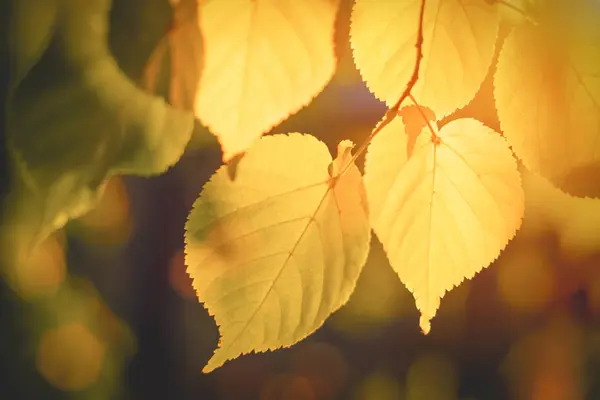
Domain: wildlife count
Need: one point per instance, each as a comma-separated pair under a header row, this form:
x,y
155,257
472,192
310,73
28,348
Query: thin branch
x,y
393,111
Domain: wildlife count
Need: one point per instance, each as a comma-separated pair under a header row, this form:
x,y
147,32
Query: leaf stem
x,y
434,137
393,111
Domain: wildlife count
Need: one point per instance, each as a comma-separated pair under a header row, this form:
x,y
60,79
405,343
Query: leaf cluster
x,y
278,237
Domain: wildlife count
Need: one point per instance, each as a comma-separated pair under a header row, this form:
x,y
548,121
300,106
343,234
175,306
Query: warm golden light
x,y
274,252
446,211
380,386
526,280
43,272
70,357
458,47
263,63
110,221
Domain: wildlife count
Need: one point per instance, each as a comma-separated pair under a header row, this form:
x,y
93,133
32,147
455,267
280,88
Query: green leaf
x,y
76,119
32,24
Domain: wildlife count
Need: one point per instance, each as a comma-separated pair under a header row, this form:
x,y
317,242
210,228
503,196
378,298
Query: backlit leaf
x,y
446,212
414,123
547,89
182,48
459,37
75,120
273,253
264,60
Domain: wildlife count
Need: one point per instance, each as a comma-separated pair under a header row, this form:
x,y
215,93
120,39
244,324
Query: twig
x,y
393,111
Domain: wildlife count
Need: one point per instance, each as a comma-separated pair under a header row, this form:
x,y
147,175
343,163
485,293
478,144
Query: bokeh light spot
x,y
432,376
287,387
70,357
43,272
378,300
547,364
379,386
179,279
525,279
324,366
109,222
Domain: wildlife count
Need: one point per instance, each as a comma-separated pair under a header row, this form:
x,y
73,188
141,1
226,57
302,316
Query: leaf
x,y
414,123
262,63
447,211
547,90
32,24
575,221
76,120
459,38
182,46
275,252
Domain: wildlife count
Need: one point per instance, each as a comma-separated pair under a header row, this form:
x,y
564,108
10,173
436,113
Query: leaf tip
x,y
343,157
232,165
344,150
218,358
425,324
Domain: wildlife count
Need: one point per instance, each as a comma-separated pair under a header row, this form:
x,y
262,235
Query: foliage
x,y
279,235
445,211
263,62
276,251
113,126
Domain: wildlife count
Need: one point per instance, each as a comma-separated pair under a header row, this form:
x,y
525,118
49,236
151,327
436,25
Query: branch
x,y
393,111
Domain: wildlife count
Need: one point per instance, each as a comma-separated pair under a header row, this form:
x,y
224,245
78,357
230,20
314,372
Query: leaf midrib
x,y
284,265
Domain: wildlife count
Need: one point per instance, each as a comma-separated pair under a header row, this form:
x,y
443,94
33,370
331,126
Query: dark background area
x,y
524,328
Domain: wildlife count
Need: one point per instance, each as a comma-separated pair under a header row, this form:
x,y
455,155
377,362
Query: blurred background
x,y
105,309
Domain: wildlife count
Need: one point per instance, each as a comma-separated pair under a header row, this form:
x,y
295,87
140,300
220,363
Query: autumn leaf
x,y
547,90
182,48
575,220
458,46
446,212
414,123
275,252
264,60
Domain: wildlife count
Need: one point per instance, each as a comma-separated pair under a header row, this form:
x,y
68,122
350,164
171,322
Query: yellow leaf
x,y
264,60
459,38
412,117
547,90
277,250
446,212
183,46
